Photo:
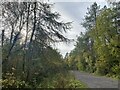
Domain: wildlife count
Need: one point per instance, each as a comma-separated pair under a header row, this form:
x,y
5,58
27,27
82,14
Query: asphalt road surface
x,y
93,81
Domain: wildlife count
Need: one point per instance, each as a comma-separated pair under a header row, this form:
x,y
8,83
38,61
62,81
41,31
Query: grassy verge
x,y
61,80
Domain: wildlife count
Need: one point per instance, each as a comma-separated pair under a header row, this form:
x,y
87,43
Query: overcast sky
x,y
72,11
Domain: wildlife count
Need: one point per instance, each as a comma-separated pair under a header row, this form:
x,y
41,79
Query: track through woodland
x,y
93,81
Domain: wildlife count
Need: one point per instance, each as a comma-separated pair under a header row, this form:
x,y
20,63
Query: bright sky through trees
x,y
75,14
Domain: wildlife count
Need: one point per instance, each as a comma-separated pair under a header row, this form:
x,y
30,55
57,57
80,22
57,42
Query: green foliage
x,y
98,49
61,80
90,17
37,64
76,84
31,28
10,81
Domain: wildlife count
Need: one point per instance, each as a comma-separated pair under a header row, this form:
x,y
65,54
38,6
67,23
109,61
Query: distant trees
x,y
98,49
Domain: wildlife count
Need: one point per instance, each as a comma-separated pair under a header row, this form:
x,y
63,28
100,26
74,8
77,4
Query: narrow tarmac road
x,y
95,81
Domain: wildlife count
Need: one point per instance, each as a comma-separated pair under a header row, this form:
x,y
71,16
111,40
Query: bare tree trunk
x,y
14,40
29,47
34,26
11,37
24,57
3,37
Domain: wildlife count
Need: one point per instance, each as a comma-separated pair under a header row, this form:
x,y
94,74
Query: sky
x,y
72,11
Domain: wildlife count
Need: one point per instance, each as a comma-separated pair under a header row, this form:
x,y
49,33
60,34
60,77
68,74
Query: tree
x,y
89,24
90,17
99,46
105,44
31,28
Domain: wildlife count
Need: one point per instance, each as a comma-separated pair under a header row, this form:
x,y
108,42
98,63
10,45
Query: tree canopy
x,y
98,50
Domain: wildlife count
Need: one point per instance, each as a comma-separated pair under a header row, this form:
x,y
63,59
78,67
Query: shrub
x,y
61,80
10,81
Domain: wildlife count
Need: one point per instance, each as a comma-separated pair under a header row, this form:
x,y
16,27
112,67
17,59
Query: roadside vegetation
x,y
98,49
30,29
29,61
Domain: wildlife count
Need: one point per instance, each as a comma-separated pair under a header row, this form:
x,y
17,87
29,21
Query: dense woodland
x,y
30,61
98,49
